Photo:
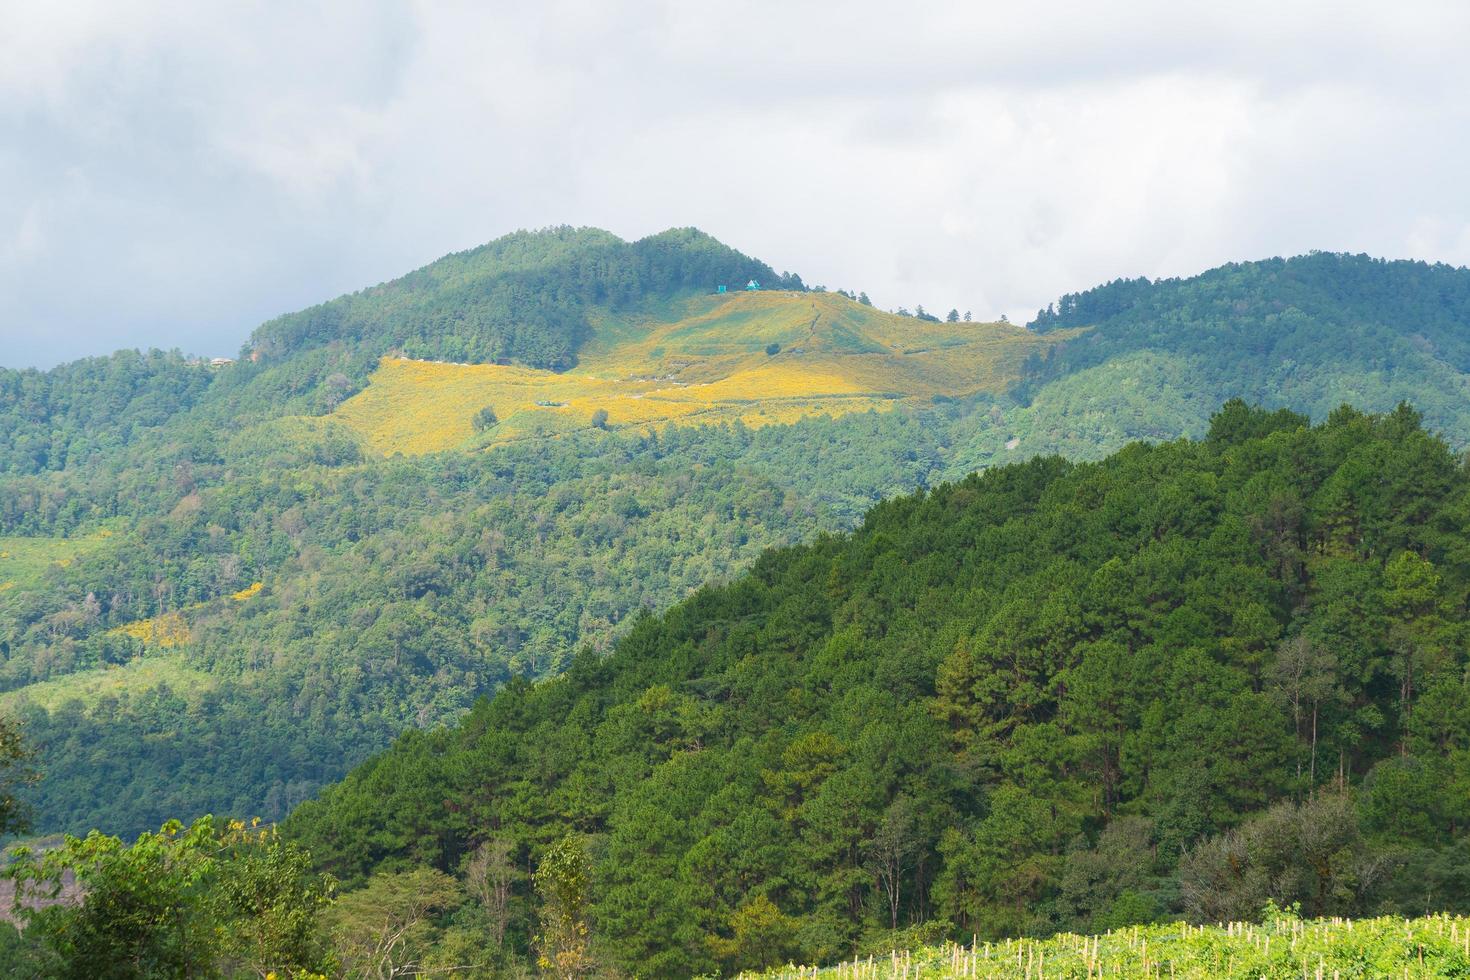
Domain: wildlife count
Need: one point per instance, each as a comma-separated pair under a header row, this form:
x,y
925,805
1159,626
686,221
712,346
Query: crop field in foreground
x,y
1285,948
759,358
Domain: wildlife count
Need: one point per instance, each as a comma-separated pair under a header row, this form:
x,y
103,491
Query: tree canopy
x,y
1179,681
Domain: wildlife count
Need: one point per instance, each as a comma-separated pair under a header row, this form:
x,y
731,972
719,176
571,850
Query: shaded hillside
x,y
1179,681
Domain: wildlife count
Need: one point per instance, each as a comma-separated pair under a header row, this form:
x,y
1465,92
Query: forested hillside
x,y
120,425
221,587
79,412
1183,680
209,601
392,595
1310,333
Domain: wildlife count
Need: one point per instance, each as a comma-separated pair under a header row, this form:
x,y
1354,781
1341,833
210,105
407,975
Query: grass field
x,y
1285,948
90,686
24,561
706,361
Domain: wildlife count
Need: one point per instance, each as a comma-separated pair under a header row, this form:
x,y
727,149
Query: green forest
x,y
1085,652
1190,681
1180,682
1308,333
396,594
396,591
992,556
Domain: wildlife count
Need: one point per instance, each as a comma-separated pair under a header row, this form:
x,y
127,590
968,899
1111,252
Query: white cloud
x,y
176,173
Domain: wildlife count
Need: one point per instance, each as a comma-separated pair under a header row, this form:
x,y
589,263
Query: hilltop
x,y
1308,333
529,297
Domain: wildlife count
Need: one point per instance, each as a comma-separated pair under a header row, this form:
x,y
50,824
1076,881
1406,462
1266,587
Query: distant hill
x,y
1308,333
529,297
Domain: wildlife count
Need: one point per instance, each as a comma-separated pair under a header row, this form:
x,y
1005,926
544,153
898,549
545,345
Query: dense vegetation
x,y
1309,333
395,595
1178,682
139,494
69,416
203,901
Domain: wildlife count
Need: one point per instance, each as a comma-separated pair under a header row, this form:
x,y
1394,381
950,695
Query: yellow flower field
x,y
758,358
168,630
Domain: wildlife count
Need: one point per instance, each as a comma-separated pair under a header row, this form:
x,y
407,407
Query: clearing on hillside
x,y
24,561
92,685
759,358
171,629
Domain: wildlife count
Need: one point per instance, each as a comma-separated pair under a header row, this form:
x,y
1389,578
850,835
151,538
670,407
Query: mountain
x,y
529,296
221,586
1183,680
232,582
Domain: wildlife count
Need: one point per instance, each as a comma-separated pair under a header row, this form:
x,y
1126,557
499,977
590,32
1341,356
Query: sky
x,y
174,174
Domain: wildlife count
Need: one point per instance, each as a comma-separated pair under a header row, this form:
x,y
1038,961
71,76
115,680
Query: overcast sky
x,y
172,174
